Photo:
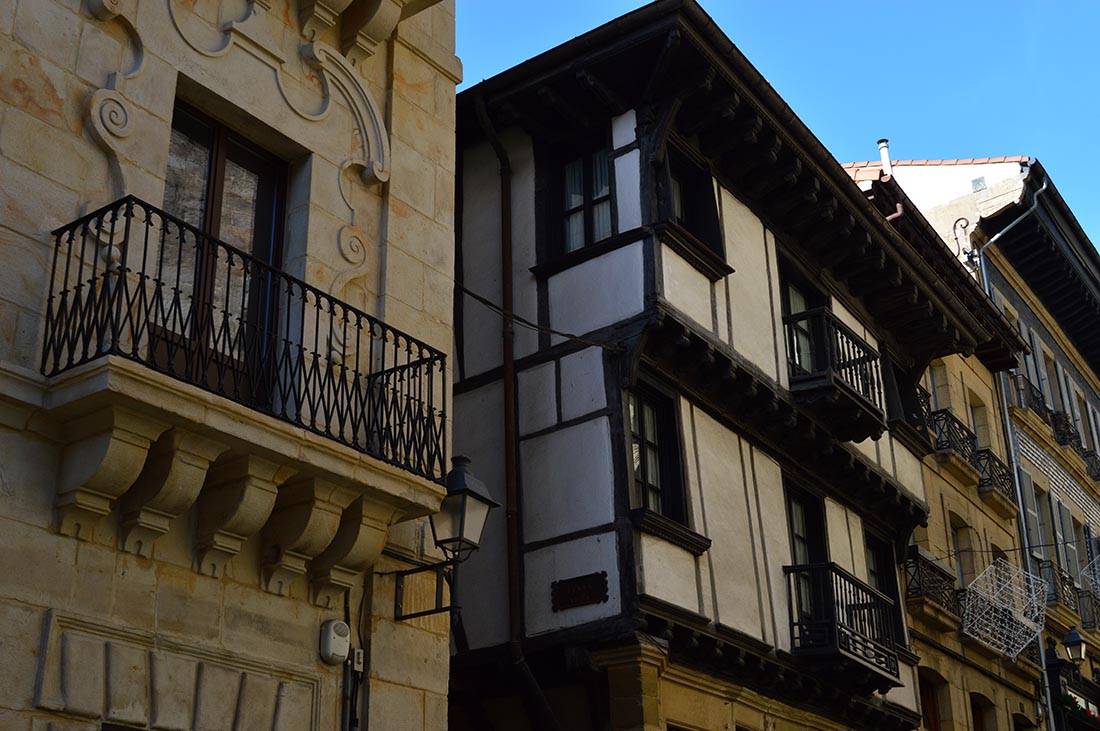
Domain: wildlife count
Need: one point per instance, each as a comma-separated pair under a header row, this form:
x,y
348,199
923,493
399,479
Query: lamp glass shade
x,y
1075,646
447,523
458,525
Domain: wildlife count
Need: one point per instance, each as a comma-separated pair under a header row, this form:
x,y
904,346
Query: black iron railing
x,y
1092,462
925,579
1032,653
1060,586
820,345
832,612
951,435
994,475
1065,430
1030,396
924,409
1089,603
130,280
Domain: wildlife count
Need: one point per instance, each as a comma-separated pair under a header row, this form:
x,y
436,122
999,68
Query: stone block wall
x,y
358,98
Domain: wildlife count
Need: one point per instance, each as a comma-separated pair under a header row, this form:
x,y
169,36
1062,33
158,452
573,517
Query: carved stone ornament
x,y
167,487
234,505
319,16
104,455
359,541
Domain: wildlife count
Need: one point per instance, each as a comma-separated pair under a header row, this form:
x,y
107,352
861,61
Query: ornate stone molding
x,y
366,24
317,17
358,543
306,518
235,503
167,487
93,670
104,455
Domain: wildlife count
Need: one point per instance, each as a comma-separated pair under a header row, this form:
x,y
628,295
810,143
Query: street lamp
x,y
1075,646
456,530
458,525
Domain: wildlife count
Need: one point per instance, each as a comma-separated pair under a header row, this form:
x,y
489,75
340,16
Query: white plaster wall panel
x,y
721,309
848,318
868,448
929,186
754,335
480,258
686,289
567,480
667,572
624,129
732,554
840,540
628,190
777,309
905,696
587,555
538,398
908,471
858,542
771,516
521,157
696,506
582,383
599,292
482,593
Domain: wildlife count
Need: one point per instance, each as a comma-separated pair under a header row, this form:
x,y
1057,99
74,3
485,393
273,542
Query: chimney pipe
x,y
884,154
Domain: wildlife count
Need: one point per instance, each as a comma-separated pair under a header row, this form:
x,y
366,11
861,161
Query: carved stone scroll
x,y
167,486
233,506
358,543
104,456
306,518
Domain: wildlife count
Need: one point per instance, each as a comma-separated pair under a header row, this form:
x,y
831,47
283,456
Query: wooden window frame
x,y
671,488
584,149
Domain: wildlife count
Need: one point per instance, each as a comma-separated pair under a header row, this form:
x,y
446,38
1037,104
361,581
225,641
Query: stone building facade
x,y
227,235
699,421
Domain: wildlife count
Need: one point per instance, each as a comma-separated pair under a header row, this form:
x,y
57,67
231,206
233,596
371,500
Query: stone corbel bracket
x,y
318,17
235,502
366,24
306,518
104,455
359,541
166,488
373,166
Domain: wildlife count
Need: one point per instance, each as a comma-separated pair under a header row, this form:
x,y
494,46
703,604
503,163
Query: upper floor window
x,y
586,199
655,452
692,201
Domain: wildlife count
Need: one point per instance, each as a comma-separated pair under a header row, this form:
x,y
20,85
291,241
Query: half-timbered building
x,y
687,351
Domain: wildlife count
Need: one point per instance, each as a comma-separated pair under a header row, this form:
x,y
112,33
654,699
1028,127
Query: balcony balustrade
x,y
835,373
1092,463
1089,603
1065,430
928,583
1060,587
132,281
950,434
834,615
924,403
995,483
1030,396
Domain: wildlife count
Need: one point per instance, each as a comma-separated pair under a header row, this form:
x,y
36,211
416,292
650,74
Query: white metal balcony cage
x,y
1004,608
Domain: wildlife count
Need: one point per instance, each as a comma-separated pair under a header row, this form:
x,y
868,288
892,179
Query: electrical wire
x,y
955,554
523,322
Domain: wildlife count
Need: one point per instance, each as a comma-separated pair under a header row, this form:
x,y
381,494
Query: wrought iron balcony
x,y
131,281
1030,396
995,482
1065,430
835,615
836,373
1092,463
949,434
924,402
1060,588
926,580
1090,608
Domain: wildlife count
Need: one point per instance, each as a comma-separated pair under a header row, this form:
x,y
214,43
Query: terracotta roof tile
x,y
962,161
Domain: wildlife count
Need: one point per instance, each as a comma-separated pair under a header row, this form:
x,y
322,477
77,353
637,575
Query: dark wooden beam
x,y
567,109
607,97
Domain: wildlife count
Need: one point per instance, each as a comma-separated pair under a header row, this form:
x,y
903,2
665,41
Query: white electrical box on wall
x,y
335,642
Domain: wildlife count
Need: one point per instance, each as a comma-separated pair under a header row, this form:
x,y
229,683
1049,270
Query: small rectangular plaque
x,y
579,591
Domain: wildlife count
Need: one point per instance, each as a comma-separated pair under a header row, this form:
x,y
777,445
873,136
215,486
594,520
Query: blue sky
x,y
941,79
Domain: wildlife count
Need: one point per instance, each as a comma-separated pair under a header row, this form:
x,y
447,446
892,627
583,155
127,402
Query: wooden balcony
x,y
840,620
835,374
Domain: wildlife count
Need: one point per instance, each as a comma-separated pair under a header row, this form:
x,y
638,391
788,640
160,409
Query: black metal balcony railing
x,y
924,404
995,474
832,612
925,579
1065,430
1030,396
820,345
1092,463
1089,603
130,280
1060,588
951,435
